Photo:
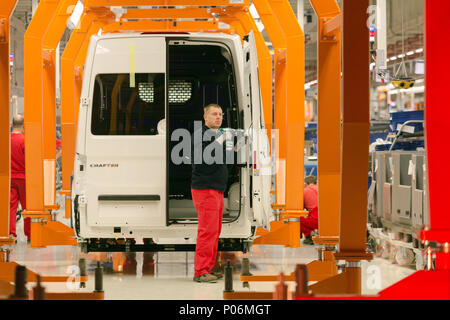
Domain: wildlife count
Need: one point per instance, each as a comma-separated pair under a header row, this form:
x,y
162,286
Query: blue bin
x,y
398,118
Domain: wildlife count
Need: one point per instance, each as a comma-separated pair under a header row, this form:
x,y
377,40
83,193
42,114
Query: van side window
x,y
123,108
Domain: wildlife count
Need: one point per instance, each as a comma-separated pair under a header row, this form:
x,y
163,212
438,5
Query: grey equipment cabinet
x,y
401,188
379,175
418,197
386,174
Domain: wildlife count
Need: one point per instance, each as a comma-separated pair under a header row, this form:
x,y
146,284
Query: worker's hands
x,y
225,135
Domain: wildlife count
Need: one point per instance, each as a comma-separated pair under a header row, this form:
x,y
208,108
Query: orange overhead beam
x,y
105,3
236,26
6,9
329,123
166,26
185,13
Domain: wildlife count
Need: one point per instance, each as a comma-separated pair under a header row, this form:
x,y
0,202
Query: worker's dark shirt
x,y
208,176
17,156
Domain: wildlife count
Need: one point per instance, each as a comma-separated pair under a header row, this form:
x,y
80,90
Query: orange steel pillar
x,y
329,122
41,39
50,42
6,9
329,132
355,156
278,39
278,229
33,61
295,116
77,46
288,40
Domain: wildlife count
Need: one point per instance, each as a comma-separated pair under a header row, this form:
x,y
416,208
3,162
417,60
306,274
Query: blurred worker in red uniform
x,y
58,148
17,176
310,201
18,193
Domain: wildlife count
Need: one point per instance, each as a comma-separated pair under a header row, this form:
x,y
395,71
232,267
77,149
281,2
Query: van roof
x,y
211,35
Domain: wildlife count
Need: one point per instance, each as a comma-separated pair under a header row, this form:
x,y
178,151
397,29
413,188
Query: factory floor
x,y
168,275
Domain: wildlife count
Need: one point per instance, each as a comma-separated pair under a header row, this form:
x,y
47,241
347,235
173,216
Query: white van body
x,y
121,185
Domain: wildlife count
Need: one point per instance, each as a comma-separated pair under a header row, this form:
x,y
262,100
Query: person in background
x,y
18,176
310,200
18,191
58,149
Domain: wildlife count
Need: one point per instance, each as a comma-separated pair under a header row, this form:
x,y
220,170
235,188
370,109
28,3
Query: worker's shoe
x,y
130,264
218,275
308,240
206,277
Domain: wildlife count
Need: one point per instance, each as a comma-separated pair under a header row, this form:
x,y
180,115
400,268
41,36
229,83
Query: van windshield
x,y
124,107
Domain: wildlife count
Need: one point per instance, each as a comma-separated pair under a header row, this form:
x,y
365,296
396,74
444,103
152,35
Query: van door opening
x,y
199,73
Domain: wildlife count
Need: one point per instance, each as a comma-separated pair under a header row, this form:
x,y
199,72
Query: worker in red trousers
x,y
209,182
18,192
310,201
17,176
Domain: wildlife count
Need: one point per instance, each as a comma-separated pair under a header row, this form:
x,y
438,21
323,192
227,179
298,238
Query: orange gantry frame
x,y
167,16
7,269
329,91
6,9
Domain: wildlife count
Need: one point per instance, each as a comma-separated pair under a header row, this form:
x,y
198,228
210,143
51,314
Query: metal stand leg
x,y
228,277
20,283
38,290
245,271
98,278
82,266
